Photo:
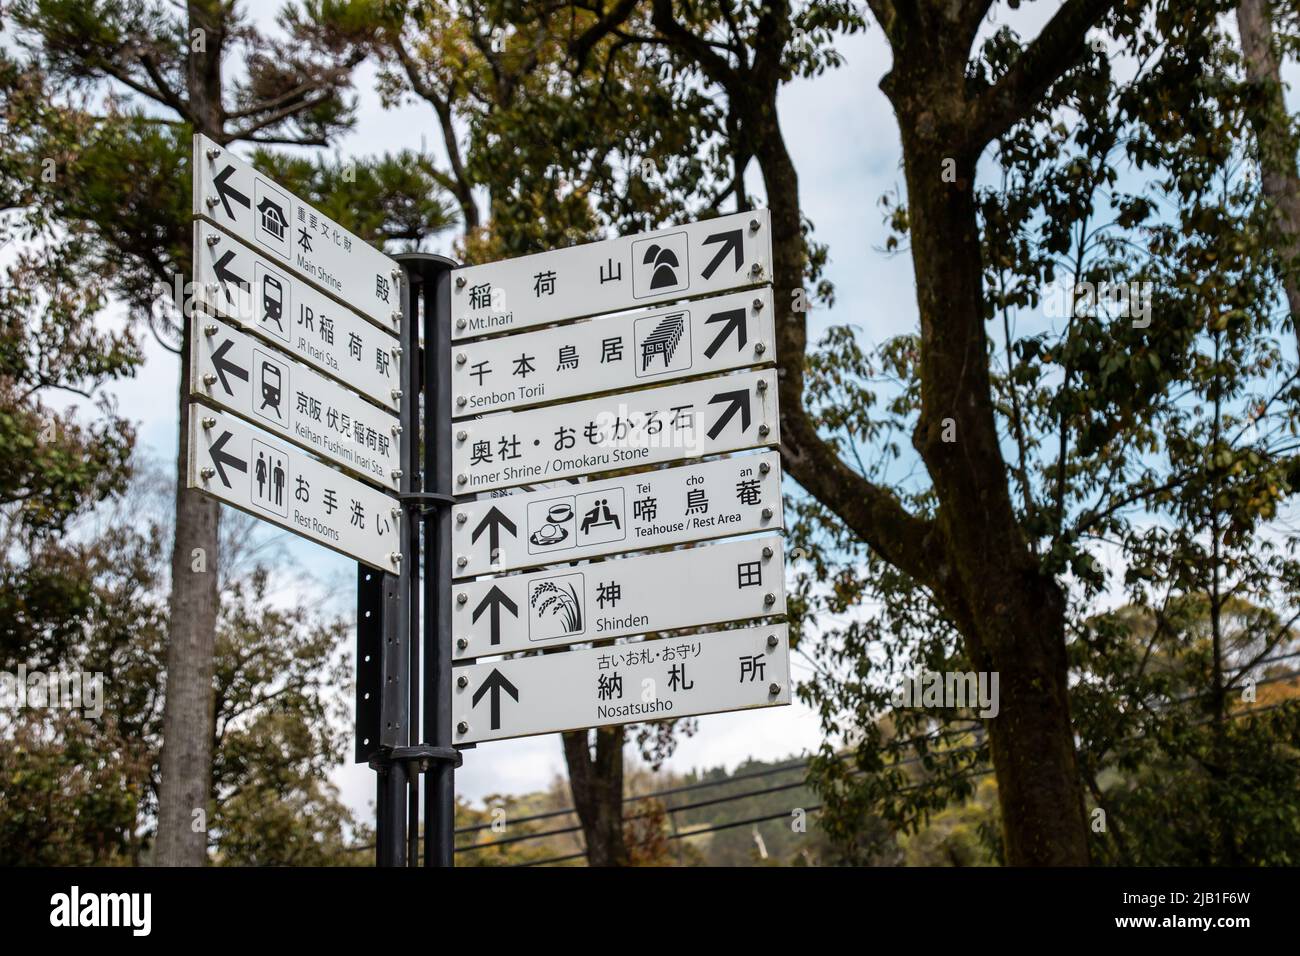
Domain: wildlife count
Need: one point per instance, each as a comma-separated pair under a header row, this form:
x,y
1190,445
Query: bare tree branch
x,y
1060,45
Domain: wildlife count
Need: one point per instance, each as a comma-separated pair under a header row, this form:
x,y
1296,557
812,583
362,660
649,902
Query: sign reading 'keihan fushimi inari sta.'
x,y
581,371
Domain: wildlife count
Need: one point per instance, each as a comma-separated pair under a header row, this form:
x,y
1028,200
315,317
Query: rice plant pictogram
x,y
559,602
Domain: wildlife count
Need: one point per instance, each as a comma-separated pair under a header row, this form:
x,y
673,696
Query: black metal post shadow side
x,y
396,746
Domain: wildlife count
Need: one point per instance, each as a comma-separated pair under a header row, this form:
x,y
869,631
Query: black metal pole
x,y
411,388
440,787
401,615
429,279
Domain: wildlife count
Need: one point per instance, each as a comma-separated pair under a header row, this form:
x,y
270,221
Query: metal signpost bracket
x,y
370,646
435,500
422,754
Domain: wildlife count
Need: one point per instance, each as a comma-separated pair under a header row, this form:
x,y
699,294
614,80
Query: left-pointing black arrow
x,y
227,192
737,401
496,683
495,599
225,276
224,366
221,458
732,241
731,319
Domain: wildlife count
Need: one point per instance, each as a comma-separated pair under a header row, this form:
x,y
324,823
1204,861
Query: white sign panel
x,y
671,423
608,354
647,510
234,282
249,469
680,262
628,683
563,605
256,382
260,212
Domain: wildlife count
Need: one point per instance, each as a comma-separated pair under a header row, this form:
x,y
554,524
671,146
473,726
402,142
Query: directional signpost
x,y
652,680
319,406
681,262
325,356
650,509
282,292
622,383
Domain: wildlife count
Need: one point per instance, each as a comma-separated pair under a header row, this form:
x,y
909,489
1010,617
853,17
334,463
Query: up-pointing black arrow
x,y
227,192
221,458
496,682
732,241
738,401
494,521
732,319
224,365
495,599
224,275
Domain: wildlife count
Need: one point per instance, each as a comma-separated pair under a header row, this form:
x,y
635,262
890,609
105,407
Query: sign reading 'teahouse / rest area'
x,y
650,509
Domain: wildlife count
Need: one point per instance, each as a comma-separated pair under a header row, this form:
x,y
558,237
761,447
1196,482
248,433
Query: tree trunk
x,y
1279,177
972,555
186,762
1010,612
597,784
186,773
1044,822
